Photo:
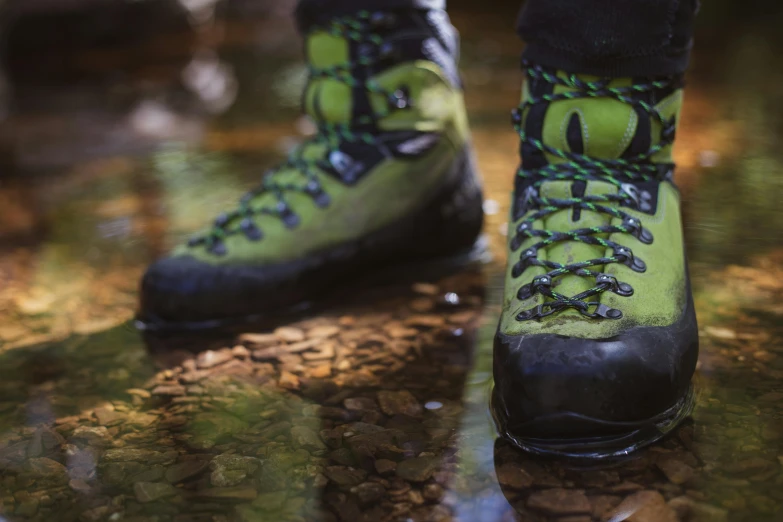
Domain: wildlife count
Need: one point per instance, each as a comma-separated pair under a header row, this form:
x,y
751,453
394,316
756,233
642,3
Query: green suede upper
x,y
391,190
607,128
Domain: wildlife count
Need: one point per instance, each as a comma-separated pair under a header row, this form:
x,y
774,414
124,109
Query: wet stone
x,y
230,494
675,470
185,470
47,468
108,418
399,402
513,476
151,491
173,390
417,469
92,435
645,506
345,476
368,492
385,467
211,359
230,470
289,334
323,332
559,502
307,438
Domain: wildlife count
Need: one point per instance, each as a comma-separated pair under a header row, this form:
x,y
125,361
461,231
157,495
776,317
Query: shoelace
x,y
623,173
331,136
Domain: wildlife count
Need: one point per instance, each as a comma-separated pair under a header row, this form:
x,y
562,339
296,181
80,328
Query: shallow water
x,y
372,406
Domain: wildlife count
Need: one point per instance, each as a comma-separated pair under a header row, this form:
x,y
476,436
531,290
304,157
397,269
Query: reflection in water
x,y
377,409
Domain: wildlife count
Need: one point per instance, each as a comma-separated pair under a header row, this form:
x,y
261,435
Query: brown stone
x,y
307,438
385,467
289,381
238,494
185,470
559,502
152,491
210,359
675,470
345,476
399,402
107,417
514,476
417,469
173,390
425,321
368,492
323,332
644,506
321,371
289,334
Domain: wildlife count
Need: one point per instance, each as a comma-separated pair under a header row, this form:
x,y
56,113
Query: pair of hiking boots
x,y
597,340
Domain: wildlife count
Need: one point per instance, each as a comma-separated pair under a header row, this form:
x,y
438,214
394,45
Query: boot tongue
x,y
599,128
327,99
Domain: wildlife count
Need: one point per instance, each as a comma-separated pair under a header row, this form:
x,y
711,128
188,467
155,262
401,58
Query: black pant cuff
x,y
625,67
313,12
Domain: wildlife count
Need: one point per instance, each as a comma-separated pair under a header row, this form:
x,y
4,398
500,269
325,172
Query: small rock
x,y
230,470
399,402
398,331
559,502
417,469
321,371
108,418
432,492
385,466
307,438
94,436
360,403
323,332
368,492
258,340
271,502
80,486
513,476
289,381
676,471
210,359
130,455
185,470
644,506
95,515
173,390
240,494
152,491
47,468
240,352
425,289
345,476
27,508
289,334
136,392
426,321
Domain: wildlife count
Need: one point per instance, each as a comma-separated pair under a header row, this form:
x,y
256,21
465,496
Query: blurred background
x,y
125,124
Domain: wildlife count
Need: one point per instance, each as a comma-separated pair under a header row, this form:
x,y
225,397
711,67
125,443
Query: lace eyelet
x,y
251,231
218,248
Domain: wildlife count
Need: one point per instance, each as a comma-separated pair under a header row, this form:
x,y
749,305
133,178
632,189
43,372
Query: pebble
x,y
185,470
323,332
239,494
385,466
345,476
288,381
211,359
559,502
289,334
425,289
108,418
676,471
172,390
399,402
47,468
417,469
369,492
514,476
304,437
644,506
151,491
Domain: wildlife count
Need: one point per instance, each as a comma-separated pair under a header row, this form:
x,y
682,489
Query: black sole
x,y
442,235
621,439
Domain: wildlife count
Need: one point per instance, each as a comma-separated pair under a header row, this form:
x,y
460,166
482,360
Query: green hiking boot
x,y
598,341
388,178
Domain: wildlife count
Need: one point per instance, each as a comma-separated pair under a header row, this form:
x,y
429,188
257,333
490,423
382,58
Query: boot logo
x,y
348,168
418,145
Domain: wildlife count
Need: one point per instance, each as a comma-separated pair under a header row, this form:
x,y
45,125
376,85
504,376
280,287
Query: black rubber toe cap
x,y
555,386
